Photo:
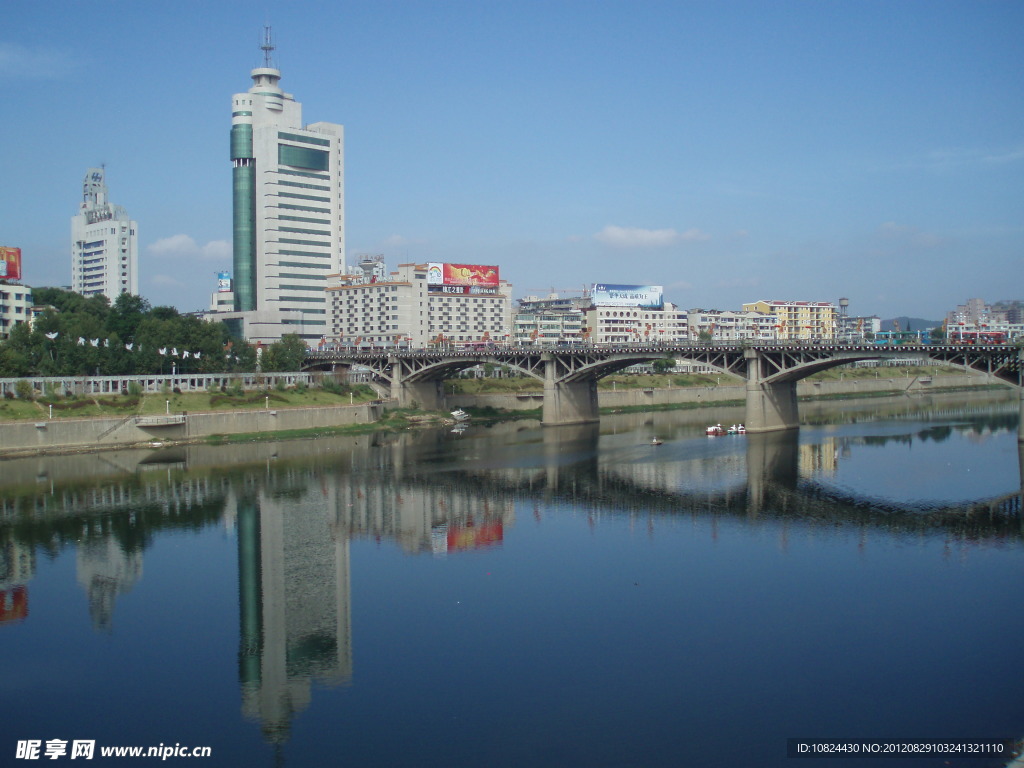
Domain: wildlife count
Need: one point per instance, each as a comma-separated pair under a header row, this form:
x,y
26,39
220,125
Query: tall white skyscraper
x,y
104,244
288,212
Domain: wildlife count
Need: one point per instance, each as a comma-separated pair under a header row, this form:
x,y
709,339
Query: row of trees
x,y
79,336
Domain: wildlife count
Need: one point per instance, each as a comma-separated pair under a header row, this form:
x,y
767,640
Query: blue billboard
x,y
641,296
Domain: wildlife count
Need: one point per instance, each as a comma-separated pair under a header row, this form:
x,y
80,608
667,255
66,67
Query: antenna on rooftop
x,y
267,47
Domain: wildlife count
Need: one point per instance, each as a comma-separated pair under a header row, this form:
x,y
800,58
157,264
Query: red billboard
x,y
462,274
13,604
475,535
10,263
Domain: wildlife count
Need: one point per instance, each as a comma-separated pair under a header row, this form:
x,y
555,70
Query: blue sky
x,y
730,151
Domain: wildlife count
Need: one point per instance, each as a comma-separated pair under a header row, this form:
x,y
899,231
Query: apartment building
x,y
799,320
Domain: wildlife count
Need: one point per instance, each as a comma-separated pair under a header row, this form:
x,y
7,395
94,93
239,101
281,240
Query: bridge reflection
x,y
298,506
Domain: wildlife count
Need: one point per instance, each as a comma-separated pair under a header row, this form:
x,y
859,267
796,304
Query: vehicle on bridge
x,y
899,337
977,337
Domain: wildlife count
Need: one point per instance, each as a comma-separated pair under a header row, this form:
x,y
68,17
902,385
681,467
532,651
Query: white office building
x,y
288,213
104,244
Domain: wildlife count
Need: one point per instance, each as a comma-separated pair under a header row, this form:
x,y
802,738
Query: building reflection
x,y
297,507
294,570
17,567
105,570
294,600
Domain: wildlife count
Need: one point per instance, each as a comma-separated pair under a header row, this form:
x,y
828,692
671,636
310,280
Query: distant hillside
x,y
910,323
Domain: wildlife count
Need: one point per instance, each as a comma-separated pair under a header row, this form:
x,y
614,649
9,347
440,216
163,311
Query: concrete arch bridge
x,y
570,375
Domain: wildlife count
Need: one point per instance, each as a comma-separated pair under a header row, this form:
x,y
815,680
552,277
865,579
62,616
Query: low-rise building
x,y
854,329
418,305
549,321
15,307
633,314
729,325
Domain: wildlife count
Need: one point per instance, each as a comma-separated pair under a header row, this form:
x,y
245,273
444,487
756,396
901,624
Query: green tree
x,y
126,315
17,354
664,365
284,355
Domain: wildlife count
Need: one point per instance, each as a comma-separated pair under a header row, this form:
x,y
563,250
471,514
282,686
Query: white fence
x,y
184,382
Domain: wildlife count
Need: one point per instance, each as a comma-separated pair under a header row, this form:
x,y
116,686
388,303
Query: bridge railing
x,y
326,353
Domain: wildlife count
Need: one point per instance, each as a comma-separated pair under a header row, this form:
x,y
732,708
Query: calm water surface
x,y
518,596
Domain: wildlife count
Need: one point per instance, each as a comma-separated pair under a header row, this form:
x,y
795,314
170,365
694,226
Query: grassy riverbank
x,y
93,406
392,421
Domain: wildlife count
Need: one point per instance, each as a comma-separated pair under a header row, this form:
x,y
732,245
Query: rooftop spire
x,y
267,47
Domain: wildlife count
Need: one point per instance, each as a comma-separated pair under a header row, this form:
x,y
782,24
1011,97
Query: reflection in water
x,y
105,571
296,506
294,605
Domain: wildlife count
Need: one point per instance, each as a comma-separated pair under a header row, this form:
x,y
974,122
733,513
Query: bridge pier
x,y
567,402
770,406
1020,420
427,395
772,459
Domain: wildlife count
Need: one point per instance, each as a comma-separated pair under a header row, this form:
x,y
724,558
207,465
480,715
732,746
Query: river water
x,y
518,596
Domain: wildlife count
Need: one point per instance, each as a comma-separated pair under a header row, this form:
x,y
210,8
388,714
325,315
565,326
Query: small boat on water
x,y
460,415
715,430
656,441
737,429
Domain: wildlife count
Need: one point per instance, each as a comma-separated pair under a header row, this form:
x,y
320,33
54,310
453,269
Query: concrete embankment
x,y
639,398
69,434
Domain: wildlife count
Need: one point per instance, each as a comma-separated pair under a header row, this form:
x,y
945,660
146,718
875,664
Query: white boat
x,y
460,415
737,429
715,430
656,441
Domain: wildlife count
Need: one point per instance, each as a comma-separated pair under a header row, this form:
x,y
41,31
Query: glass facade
x,y
303,157
243,217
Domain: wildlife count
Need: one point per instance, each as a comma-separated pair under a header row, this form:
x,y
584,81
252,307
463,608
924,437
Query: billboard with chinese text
x,y
10,263
462,274
643,296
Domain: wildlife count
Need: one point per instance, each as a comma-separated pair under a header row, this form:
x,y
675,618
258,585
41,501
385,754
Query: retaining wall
x,y
635,398
65,434
69,434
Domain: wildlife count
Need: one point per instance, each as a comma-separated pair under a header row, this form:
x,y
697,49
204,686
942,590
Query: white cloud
x,y
175,245
908,236
19,61
217,249
1008,156
957,158
162,280
183,246
635,237
752,281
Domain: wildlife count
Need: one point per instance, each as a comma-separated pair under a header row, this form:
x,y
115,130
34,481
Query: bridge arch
x,y
570,375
